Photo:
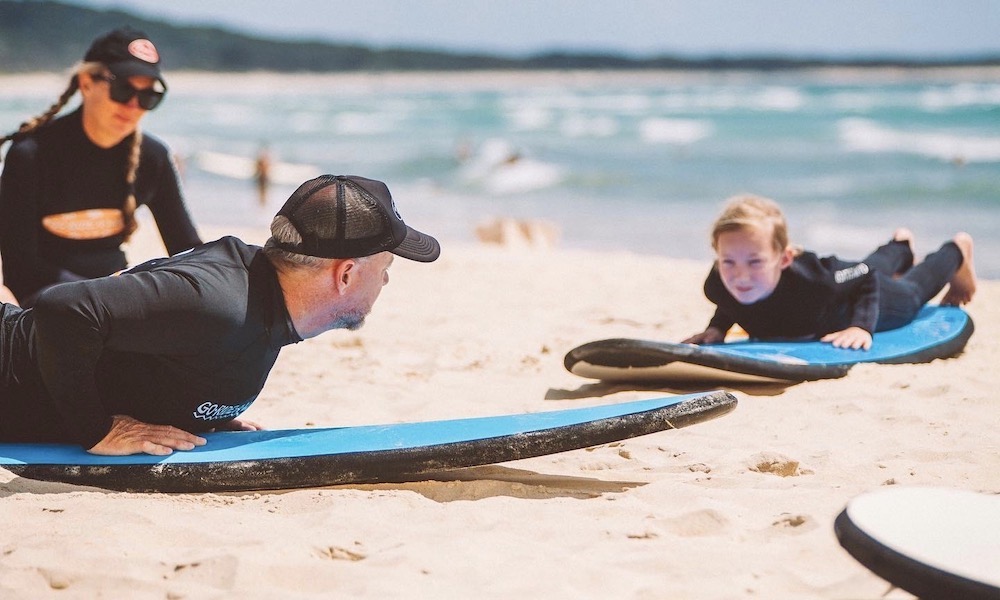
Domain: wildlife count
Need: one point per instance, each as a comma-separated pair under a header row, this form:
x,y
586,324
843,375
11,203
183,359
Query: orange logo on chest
x,y
91,224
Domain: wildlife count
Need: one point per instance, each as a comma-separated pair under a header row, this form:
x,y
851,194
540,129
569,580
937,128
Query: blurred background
x,y
621,126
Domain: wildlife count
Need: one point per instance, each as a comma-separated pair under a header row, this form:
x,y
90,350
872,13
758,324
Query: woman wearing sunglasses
x,y
71,185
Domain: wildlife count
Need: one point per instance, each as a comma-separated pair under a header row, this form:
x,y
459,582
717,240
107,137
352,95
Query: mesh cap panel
x,y
347,216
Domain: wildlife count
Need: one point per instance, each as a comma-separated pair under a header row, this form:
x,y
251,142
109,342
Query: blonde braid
x,y
33,124
74,85
131,168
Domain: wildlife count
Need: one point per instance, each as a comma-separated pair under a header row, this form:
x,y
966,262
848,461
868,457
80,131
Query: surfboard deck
x,y
937,332
294,458
931,542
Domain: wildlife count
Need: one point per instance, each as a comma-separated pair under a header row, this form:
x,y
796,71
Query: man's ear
x,y
787,258
344,272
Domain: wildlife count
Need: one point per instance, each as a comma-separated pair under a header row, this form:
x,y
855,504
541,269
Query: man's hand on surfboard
x,y
131,436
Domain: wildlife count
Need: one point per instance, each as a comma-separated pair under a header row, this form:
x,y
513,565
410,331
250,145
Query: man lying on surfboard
x,y
143,361
775,291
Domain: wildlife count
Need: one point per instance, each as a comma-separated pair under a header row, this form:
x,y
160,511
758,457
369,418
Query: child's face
x,y
749,264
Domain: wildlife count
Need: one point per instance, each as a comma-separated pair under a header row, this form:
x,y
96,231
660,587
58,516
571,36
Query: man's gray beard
x,y
351,321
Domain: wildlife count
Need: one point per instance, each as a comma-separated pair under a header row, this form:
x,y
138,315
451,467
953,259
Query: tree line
x,y
45,35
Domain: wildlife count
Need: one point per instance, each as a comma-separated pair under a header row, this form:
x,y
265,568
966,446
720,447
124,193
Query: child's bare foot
x,y
963,284
903,235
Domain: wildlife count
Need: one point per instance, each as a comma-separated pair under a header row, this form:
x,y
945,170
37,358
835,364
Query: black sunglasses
x,y
121,91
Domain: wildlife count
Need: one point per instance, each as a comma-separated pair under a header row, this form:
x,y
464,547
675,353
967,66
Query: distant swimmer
x,y
262,174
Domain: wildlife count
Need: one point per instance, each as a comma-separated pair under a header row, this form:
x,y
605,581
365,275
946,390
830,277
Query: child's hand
x,y
854,338
709,336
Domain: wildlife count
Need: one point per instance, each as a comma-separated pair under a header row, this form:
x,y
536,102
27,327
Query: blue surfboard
x,y
293,458
937,332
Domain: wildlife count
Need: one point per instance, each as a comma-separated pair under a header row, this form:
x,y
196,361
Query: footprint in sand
x,y
794,523
218,572
338,553
775,464
786,524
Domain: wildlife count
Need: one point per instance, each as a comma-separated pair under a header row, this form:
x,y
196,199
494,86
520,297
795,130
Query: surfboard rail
x,y
623,359
937,332
931,542
382,453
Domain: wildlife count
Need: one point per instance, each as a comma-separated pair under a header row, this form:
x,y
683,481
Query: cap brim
x,y
418,246
133,68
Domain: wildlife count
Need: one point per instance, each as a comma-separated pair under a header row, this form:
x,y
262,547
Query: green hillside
x,y
46,36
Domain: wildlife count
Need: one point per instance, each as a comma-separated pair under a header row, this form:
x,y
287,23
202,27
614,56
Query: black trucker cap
x,y
345,216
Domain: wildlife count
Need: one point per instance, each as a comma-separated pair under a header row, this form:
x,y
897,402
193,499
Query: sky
x,y
826,28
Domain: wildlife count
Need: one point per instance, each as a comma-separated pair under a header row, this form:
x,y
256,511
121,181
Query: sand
x,y
739,507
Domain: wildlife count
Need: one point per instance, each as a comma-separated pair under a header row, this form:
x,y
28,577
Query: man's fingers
x,y
155,449
129,436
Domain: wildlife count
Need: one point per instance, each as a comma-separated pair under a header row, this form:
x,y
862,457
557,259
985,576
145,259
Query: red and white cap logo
x,y
144,50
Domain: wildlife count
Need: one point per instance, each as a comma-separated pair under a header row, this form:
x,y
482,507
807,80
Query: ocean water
x,y
617,161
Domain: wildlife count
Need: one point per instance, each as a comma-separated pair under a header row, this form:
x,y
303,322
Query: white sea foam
x,y
233,113
576,125
498,168
961,95
779,98
364,124
541,99
864,135
723,98
529,118
620,103
674,131
605,102
855,101
826,185
304,122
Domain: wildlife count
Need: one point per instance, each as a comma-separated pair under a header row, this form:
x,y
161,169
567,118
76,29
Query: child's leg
x,y
894,257
901,299
937,269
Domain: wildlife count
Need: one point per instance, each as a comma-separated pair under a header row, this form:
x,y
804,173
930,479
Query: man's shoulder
x,y
227,250
227,245
237,245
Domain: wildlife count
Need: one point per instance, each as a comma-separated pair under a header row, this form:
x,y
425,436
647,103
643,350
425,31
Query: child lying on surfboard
x,y
776,291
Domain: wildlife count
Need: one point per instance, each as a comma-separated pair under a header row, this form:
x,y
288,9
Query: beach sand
x,y
739,507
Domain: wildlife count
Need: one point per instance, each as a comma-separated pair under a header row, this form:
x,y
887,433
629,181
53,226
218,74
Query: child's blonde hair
x,y
747,211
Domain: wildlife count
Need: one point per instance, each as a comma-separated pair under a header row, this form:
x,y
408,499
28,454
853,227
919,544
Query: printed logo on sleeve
x,y
209,411
844,275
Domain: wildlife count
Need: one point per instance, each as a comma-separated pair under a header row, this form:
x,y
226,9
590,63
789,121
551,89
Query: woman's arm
x,y
161,192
